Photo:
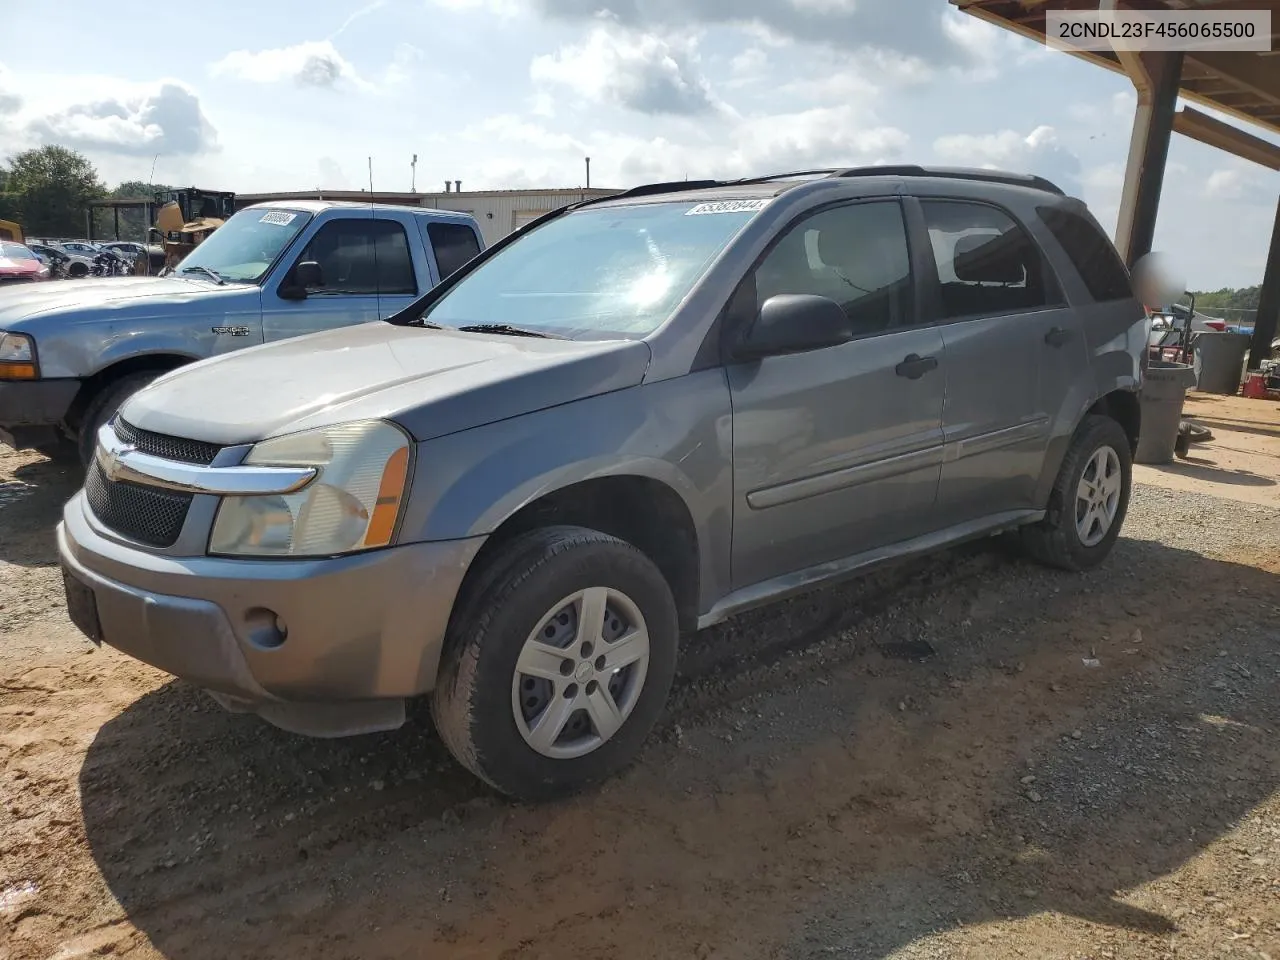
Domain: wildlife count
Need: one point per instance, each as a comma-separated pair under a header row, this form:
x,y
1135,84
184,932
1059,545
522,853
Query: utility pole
x,y
413,174
588,173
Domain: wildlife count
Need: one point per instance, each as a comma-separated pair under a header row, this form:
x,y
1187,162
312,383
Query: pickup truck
x,y
72,353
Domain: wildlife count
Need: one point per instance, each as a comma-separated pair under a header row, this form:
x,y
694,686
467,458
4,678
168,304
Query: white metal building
x,y
498,212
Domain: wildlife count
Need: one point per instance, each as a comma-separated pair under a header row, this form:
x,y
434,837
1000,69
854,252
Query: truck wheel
x,y
1089,500
103,407
557,664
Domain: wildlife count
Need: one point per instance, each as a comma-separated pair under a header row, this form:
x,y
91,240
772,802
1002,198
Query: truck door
x,y
366,272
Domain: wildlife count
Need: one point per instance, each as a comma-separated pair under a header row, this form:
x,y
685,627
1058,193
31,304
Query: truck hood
x,y
431,382
107,294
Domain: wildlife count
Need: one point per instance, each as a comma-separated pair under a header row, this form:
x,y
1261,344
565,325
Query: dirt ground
x,y
967,756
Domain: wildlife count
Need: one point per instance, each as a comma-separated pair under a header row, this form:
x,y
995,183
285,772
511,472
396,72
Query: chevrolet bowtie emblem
x,y
109,460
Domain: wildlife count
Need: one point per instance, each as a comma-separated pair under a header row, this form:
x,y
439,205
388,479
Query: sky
x,y
289,95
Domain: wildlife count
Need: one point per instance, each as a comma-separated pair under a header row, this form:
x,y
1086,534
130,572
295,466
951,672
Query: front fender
x,y
676,432
80,344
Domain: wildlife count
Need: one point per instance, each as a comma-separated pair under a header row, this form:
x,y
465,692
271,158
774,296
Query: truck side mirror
x,y
307,275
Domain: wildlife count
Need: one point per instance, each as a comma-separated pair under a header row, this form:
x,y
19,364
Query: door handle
x,y
1057,337
914,366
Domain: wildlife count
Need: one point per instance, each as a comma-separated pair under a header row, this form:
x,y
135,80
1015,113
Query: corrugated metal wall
x,y
500,213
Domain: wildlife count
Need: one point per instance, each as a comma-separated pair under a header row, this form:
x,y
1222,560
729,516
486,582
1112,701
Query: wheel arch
x,y
157,362
641,510
1120,404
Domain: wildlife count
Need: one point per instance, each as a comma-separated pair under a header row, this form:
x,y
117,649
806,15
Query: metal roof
x,y
1245,85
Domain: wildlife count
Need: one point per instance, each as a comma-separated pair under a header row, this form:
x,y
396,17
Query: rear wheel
x,y
558,664
1089,500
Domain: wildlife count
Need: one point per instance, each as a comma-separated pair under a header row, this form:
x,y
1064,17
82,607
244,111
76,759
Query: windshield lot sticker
x,y
729,206
280,217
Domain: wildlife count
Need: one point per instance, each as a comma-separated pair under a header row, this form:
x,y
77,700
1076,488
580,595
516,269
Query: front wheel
x,y
1089,500
103,407
558,663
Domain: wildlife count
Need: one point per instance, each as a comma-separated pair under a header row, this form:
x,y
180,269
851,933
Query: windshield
x,y
603,273
16,251
243,248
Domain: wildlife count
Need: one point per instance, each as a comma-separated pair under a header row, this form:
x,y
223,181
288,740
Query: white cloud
x,y
821,137
168,119
1236,185
931,33
314,63
1039,152
639,71
749,61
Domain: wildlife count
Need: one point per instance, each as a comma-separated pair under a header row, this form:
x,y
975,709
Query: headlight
x,y
352,504
17,357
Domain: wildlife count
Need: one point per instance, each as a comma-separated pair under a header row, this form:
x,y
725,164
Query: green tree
x,y
53,188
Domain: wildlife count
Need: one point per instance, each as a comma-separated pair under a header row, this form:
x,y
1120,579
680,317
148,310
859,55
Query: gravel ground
x,y
966,756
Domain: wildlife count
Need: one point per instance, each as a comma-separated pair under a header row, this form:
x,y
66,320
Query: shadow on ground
x,y
835,824
1203,469
30,505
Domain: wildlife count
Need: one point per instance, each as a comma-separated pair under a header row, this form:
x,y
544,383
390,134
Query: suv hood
x,y
431,382
66,296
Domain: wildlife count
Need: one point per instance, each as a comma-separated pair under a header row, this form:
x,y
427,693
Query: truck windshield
x,y
597,274
243,248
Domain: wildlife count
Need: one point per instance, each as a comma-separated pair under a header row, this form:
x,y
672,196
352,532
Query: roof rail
x,y
822,172
954,173
674,186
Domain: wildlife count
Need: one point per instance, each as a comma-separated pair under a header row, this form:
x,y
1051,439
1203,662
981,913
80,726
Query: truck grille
x,y
146,514
160,445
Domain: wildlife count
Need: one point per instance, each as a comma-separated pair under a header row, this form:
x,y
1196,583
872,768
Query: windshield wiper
x,y
508,330
211,274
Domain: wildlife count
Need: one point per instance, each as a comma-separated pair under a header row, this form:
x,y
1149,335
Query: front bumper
x,y
363,632
30,410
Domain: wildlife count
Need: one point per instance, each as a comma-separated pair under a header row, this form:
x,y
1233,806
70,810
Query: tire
x,y
77,270
486,710
103,407
1057,541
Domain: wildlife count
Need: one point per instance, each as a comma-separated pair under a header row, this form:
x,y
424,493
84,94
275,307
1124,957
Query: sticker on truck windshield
x,y
729,206
279,217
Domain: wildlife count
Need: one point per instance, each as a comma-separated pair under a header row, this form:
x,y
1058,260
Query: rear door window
x,y
987,264
454,244
1090,252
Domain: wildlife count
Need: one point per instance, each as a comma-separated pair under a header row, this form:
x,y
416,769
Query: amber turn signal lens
x,y
390,491
18,371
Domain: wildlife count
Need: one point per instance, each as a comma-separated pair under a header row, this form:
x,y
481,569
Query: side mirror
x,y
307,275
795,323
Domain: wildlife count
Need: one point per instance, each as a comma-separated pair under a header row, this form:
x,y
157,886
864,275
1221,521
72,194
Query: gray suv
x,y
632,419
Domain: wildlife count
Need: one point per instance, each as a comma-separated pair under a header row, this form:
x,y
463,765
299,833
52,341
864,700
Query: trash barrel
x,y
1219,361
1164,389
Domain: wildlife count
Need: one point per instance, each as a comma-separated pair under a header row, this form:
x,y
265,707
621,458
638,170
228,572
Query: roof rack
x,y
954,173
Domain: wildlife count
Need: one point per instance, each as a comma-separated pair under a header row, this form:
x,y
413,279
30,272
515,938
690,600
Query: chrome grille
x,y
146,514
161,445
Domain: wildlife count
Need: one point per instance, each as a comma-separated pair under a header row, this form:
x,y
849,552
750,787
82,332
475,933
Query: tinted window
x,y
986,262
1092,254
454,244
855,255
362,256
